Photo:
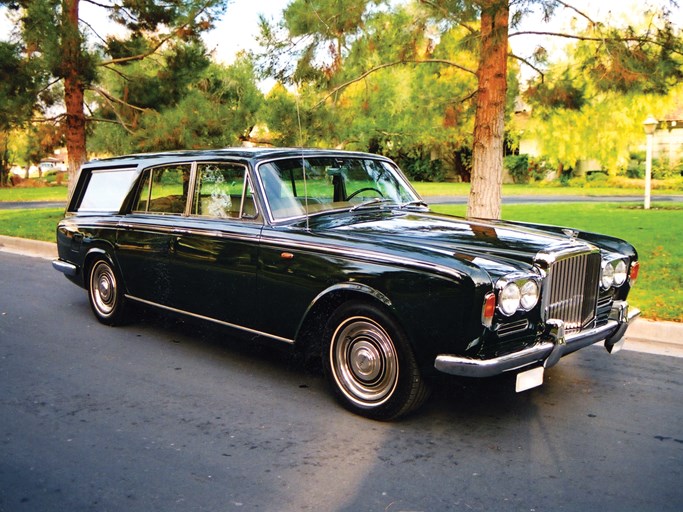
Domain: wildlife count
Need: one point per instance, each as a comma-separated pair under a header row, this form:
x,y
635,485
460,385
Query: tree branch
x,y
98,4
468,97
114,70
117,8
388,65
161,42
144,55
112,98
594,39
81,20
525,61
580,13
110,121
447,14
56,118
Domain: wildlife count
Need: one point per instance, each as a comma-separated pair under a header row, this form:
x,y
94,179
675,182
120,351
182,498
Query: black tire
x,y
369,363
105,293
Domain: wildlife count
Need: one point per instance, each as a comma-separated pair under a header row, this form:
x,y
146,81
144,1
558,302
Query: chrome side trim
x,y
99,224
209,319
68,269
172,230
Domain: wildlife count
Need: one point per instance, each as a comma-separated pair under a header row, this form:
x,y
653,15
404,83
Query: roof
x,y
253,154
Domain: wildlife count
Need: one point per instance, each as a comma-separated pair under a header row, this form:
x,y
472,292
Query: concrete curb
x,y
652,337
665,332
663,338
35,248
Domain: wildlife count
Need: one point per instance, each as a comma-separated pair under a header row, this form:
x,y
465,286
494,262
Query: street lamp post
x,y
650,125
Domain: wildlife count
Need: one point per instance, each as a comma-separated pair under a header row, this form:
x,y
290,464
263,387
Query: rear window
x,y
107,189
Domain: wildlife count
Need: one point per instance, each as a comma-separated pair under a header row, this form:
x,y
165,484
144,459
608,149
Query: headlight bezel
x,y
517,292
614,273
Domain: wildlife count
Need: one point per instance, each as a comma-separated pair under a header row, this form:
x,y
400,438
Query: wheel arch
x,y
92,254
308,340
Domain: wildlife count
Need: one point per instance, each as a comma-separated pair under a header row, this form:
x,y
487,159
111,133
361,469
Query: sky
x,y
238,29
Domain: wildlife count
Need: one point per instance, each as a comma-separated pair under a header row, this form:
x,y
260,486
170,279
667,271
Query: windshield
x,y
297,186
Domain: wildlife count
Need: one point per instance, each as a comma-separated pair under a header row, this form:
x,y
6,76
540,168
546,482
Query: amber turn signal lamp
x,y
633,274
488,309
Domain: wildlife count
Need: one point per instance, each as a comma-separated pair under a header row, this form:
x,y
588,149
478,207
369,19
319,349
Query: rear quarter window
x,y
106,189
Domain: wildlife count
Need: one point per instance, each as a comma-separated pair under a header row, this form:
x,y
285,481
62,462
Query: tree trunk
x,y
489,121
73,90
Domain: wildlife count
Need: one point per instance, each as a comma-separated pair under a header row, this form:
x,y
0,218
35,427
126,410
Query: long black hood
x,y
497,246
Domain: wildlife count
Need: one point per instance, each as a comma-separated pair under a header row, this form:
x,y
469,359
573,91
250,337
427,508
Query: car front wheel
x,y
369,363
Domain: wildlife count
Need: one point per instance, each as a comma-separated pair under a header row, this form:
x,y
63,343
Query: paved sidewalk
x,y
662,338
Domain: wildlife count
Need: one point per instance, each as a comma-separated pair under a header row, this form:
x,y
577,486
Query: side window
x,y
106,190
223,191
164,190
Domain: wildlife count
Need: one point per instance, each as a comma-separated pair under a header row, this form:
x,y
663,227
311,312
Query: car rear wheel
x,y
106,296
369,363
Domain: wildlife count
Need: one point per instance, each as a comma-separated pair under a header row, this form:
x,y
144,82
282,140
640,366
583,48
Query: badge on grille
x,y
571,233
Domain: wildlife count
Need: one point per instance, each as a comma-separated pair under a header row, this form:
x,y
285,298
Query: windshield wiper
x,y
370,202
418,202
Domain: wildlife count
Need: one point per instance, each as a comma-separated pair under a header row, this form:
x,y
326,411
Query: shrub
x,y
598,177
518,167
635,169
539,169
422,169
662,167
579,182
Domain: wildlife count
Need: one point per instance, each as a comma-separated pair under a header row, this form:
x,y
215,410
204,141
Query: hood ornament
x,y
573,234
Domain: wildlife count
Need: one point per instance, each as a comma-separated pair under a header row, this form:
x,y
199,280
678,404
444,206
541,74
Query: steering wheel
x,y
354,194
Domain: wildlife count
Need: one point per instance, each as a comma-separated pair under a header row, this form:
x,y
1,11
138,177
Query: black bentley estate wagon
x,y
336,252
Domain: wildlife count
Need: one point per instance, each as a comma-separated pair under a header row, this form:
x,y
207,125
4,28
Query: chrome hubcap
x,y
364,361
103,288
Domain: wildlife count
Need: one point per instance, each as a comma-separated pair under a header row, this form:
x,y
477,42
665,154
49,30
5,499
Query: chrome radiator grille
x,y
572,290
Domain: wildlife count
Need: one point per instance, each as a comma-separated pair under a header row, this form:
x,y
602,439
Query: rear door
x,y
147,234
214,254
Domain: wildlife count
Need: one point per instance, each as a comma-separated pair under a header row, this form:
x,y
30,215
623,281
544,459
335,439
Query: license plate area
x,y
529,379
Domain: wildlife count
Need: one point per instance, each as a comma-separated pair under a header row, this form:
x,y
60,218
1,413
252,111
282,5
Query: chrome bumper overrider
x,y
65,268
555,344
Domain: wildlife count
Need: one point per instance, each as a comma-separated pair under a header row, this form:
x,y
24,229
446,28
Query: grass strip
x,y
35,224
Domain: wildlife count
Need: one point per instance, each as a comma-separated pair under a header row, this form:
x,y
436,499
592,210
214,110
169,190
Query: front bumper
x,y
548,352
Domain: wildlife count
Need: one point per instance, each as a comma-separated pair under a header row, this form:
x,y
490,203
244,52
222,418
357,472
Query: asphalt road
x,y
169,416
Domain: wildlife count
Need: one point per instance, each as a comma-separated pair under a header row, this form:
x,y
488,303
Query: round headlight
x,y
509,298
529,292
620,273
607,278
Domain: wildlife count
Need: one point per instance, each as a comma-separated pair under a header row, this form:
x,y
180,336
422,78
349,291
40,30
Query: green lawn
x,y
462,189
59,192
52,193
39,224
657,235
